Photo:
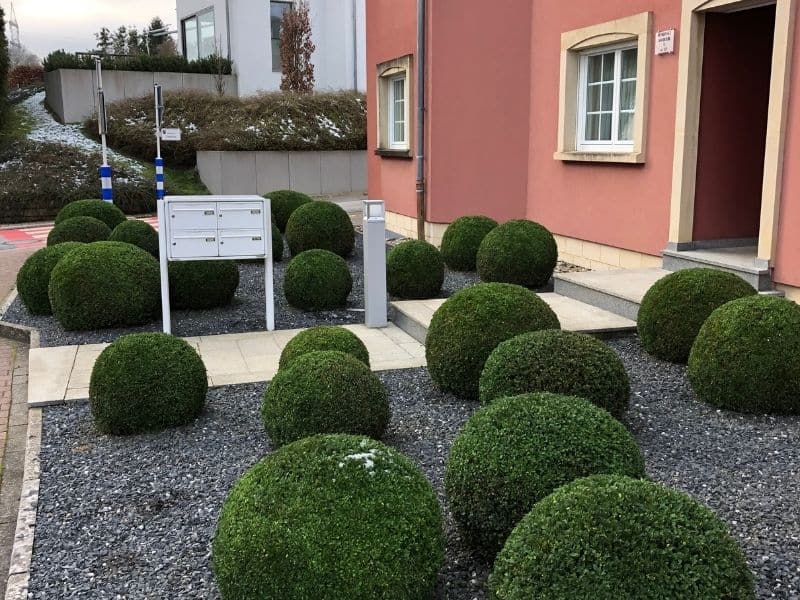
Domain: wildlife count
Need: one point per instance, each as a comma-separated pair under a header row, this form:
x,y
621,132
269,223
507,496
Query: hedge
x,y
317,280
61,59
78,229
33,278
202,284
103,211
139,234
321,338
520,252
461,241
323,225
414,270
284,203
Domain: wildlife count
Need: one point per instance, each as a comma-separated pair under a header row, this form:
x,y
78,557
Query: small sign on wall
x,y
665,42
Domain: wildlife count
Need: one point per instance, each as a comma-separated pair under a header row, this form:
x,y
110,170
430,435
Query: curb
x,y
12,331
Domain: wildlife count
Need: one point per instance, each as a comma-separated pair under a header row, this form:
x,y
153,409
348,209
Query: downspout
x,y
228,27
355,45
420,138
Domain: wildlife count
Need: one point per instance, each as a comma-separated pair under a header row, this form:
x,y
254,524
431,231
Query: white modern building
x,y
248,32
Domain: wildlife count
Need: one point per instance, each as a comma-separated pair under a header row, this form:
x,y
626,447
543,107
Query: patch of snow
x,y
367,459
326,123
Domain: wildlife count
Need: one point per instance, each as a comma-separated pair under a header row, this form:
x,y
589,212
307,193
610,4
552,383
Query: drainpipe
x,y
228,26
355,45
420,138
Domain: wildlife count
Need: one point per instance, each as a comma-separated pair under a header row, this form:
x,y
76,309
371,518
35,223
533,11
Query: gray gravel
x,y
133,517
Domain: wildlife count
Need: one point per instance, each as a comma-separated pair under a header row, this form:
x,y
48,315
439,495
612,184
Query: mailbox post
x,y
215,228
375,309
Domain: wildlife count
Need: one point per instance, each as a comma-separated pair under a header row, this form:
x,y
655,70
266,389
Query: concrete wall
x,y
71,93
340,55
314,173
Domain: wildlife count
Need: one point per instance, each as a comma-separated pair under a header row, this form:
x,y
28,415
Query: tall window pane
x,y
190,49
397,111
276,11
207,34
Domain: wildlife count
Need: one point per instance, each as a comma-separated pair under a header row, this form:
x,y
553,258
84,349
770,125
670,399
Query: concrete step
x,y
740,261
619,292
414,316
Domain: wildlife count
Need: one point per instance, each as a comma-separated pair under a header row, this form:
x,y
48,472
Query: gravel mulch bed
x,y
134,517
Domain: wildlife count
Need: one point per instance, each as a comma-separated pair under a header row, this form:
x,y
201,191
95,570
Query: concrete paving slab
x,y
628,284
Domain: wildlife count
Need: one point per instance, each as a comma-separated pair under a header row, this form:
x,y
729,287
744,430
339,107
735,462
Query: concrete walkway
x,y
62,373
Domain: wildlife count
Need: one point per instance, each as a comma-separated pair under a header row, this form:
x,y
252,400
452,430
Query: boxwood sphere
x,y
609,537
34,276
202,284
147,382
277,244
324,392
324,338
284,203
322,225
414,270
461,241
105,284
557,361
78,229
521,252
675,307
99,209
746,357
137,233
471,323
516,451
317,280
330,517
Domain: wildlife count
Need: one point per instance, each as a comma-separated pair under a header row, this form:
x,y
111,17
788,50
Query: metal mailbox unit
x,y
215,228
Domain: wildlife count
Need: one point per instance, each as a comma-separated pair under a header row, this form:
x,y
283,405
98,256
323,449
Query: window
x,y
607,100
276,12
603,86
198,35
394,93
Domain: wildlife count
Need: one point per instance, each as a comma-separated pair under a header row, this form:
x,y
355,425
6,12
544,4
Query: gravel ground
x,y
133,517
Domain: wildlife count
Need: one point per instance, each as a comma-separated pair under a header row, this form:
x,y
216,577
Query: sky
x,y
46,25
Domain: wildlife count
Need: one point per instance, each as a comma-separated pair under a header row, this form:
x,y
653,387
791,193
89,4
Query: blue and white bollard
x,y
159,178
105,183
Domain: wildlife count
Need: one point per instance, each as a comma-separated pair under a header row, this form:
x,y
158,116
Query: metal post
x,y
375,309
269,292
102,124
159,102
166,315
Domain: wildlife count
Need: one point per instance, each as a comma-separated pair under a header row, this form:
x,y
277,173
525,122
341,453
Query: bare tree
x,y
220,80
296,50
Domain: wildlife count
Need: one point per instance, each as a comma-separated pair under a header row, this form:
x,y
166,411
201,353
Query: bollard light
x,y
375,296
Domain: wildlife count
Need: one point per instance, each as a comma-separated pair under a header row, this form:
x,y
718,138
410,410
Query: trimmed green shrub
x,y
516,451
322,225
105,284
321,338
471,323
414,270
317,280
324,392
201,284
213,65
609,537
520,252
99,209
676,306
562,362
747,356
330,517
147,382
277,244
284,203
78,229
461,241
34,276
137,233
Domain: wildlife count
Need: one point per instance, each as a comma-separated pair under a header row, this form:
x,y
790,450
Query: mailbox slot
x,y
193,216
241,242
189,244
240,215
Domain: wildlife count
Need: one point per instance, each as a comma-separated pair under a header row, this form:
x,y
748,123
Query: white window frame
x,y
393,120
615,144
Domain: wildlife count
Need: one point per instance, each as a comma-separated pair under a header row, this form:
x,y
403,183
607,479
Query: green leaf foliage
x,y
324,392
323,225
330,517
321,338
516,451
61,59
520,252
105,284
746,357
33,278
414,270
461,241
147,382
562,362
675,307
284,203
470,324
202,284
78,229
103,211
317,280
138,233
608,537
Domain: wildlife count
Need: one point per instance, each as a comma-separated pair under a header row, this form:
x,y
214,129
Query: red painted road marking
x,y
30,237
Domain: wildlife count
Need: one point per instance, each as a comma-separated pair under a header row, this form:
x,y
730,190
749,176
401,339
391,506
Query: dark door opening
x,y
734,104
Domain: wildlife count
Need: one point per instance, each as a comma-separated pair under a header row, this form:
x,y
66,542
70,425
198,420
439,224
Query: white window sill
x,y
602,157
